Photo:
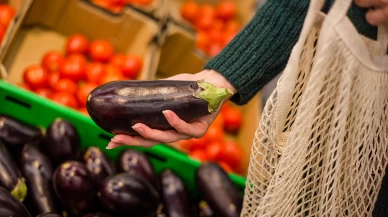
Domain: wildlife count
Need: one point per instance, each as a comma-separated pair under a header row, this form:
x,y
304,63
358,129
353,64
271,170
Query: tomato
x,y
218,25
53,78
83,92
199,144
214,133
198,155
215,49
35,76
94,72
132,66
44,92
117,60
225,167
215,36
117,3
143,2
3,30
101,50
219,121
74,67
52,60
228,37
226,10
7,13
232,26
214,150
65,98
206,10
232,153
204,22
77,44
202,41
184,144
112,73
232,120
189,10
24,86
66,85
84,111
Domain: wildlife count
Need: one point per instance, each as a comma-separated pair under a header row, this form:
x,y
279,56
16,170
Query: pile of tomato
x,y
116,6
219,144
7,13
68,77
215,25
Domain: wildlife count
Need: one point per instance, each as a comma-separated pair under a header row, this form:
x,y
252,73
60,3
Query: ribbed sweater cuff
x,y
261,50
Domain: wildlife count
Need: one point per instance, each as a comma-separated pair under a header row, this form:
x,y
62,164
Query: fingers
x,y
158,135
378,16
195,129
120,140
370,3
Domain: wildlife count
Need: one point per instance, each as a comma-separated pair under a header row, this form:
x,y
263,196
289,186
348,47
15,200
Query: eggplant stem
x,y
20,190
212,94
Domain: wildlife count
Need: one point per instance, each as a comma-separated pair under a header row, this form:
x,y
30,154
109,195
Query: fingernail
x,y
115,140
167,114
112,145
137,128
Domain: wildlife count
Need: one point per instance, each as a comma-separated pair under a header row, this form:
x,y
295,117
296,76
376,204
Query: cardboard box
x,y
48,23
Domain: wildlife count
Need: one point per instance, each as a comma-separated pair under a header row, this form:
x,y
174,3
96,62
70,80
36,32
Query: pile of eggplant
x,y
44,173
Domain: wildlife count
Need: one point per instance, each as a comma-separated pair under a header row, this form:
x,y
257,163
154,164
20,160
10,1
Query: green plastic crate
x,y
37,111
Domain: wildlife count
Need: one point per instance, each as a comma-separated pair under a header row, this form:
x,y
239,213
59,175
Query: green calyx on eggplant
x,y
117,106
10,175
98,164
74,187
37,170
10,206
61,142
218,191
176,198
128,195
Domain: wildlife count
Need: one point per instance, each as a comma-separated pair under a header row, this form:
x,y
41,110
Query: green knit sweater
x,y
261,50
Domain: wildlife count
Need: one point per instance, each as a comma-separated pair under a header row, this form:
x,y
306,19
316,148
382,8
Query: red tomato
x,y
112,73
101,50
44,92
77,44
218,25
226,10
215,36
53,78
132,66
232,26
219,120
215,133
83,92
225,166
35,76
84,111
53,60
202,41
232,153
144,2
206,17
184,144
198,155
74,67
214,150
232,120
66,85
3,30
24,86
65,98
94,72
189,10
7,13
215,49
199,144
228,37
117,60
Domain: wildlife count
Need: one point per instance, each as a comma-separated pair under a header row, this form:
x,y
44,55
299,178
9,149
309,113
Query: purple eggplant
x,y
98,164
128,195
97,214
15,132
218,190
49,214
116,106
37,170
205,210
176,199
136,163
74,187
10,206
10,176
62,142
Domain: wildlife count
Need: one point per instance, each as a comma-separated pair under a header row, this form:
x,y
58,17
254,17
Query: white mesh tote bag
x,y
321,146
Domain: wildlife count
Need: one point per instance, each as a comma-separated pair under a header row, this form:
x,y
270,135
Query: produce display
x,y
215,25
87,183
7,14
116,6
67,77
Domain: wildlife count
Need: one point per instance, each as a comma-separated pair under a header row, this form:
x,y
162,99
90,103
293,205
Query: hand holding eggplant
x,y
181,129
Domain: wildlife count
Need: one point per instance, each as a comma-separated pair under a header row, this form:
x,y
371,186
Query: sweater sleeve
x,y
260,51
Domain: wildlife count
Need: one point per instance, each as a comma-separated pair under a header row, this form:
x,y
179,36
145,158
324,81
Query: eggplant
x,y
117,106
128,195
98,164
10,175
49,214
136,163
62,142
97,214
10,206
205,210
15,132
37,170
218,190
74,187
176,199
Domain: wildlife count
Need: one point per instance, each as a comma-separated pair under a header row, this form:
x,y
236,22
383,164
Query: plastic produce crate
x,y
37,111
